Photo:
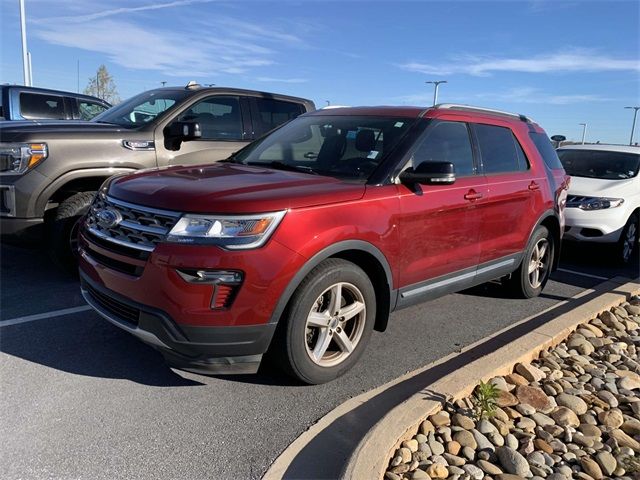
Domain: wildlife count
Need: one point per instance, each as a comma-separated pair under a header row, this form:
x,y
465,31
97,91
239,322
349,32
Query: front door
x,y
222,121
439,224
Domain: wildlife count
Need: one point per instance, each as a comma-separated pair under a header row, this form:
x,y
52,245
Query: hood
x,y
595,187
42,130
231,188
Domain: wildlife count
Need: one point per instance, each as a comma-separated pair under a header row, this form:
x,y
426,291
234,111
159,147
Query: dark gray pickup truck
x,y
49,171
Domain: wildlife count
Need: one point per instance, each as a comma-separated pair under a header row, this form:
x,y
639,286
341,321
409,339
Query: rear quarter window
x,y
546,150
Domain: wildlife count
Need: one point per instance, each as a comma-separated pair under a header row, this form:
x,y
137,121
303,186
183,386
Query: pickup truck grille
x,y
128,225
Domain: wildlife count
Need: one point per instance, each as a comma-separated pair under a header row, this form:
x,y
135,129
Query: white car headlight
x,y
594,203
18,158
233,232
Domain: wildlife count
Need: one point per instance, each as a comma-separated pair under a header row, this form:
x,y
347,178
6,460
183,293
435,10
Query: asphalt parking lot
x,y
82,400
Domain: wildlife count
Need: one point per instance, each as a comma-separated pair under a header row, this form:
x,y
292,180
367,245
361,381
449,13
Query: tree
x,y
103,86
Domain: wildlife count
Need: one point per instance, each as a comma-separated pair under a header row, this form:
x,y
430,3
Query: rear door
x,y
225,129
514,191
440,224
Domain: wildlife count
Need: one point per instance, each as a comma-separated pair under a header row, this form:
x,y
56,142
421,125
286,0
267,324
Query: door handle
x,y
534,185
472,195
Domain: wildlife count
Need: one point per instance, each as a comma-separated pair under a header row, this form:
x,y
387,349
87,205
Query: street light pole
x,y
584,131
633,126
23,33
436,84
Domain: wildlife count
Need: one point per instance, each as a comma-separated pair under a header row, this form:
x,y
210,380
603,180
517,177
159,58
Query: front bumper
x,y
603,226
19,229
208,350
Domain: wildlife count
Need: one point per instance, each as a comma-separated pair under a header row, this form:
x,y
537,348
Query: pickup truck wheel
x,y
329,322
628,242
534,270
63,239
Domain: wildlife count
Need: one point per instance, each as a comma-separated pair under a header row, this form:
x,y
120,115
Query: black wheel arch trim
x,y
332,251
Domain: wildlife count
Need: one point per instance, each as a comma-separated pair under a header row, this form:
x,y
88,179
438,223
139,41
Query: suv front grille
x,y
133,227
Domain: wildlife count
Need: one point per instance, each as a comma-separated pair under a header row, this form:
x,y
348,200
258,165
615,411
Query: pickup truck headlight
x,y
18,158
234,232
594,203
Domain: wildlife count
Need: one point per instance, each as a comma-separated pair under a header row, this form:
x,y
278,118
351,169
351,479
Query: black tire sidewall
x,y
635,217
525,288
317,281
69,212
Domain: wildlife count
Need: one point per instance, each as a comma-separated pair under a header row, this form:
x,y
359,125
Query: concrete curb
x,y
488,358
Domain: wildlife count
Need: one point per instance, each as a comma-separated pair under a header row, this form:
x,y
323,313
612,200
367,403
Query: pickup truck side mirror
x,y
178,132
439,173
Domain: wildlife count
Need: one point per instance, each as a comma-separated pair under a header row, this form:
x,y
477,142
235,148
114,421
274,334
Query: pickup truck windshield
x,y
600,164
345,147
141,109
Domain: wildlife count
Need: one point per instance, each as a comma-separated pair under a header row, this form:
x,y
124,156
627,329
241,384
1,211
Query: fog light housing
x,y
225,283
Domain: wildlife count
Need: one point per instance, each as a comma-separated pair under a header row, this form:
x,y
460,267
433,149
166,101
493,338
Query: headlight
x,y
594,203
232,232
17,158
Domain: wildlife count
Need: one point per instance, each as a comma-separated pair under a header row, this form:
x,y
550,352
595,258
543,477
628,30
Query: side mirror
x,y
178,132
558,139
439,173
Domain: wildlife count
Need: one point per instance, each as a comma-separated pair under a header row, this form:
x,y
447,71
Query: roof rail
x,y
471,108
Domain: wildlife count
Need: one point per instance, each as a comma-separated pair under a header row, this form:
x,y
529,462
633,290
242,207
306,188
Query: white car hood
x,y
595,187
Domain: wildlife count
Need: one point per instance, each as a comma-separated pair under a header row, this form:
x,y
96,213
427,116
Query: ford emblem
x,y
108,218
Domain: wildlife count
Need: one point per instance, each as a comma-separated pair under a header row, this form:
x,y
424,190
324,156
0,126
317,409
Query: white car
x,y
604,195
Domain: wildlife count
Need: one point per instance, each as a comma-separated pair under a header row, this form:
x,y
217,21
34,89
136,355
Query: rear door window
x,y
219,118
273,113
499,150
42,106
447,142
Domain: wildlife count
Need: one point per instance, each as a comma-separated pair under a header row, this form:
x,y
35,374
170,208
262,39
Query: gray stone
x,y
436,447
482,442
576,404
489,467
473,471
420,475
511,441
607,462
513,462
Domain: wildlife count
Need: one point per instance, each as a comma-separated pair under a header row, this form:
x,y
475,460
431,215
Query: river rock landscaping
x,y
572,413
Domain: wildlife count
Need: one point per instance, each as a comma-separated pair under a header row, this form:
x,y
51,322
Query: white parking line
x,y
42,316
583,274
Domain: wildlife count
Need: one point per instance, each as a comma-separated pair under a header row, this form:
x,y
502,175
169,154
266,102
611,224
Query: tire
x,y
534,270
316,346
628,243
64,230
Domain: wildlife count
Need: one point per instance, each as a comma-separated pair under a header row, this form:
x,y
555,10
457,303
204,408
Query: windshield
x,y
141,109
345,147
600,164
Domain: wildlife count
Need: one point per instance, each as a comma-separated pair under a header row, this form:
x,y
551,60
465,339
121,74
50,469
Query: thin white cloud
x,y
178,54
534,95
281,80
513,95
87,17
575,61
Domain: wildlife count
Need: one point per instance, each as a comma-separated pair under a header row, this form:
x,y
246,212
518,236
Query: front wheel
x,y
534,270
329,322
63,238
629,238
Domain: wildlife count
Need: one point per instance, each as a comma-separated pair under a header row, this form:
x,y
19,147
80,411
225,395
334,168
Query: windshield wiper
x,y
284,166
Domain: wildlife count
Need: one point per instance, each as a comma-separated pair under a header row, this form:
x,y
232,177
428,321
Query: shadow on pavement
x,y
325,455
84,344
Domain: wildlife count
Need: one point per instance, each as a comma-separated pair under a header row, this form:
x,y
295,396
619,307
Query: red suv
x,y
303,242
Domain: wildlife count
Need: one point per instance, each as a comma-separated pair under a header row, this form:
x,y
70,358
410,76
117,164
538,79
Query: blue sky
x,y
560,62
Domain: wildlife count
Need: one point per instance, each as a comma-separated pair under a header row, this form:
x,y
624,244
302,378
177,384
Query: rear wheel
x,y
532,274
63,238
628,242
329,322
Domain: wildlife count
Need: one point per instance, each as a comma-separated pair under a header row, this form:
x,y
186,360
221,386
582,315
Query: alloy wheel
x,y
539,263
335,324
629,241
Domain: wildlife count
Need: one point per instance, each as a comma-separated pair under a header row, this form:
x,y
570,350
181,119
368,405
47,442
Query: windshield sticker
x,y
399,124
373,154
